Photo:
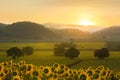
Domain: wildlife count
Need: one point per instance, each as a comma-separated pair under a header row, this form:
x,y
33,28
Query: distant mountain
x,y
27,31
80,27
32,32
108,34
2,25
71,33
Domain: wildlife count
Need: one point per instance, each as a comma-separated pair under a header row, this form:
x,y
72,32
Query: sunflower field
x,y
23,71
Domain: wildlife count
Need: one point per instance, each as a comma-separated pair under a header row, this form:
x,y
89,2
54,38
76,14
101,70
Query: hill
x,y
108,34
27,31
2,25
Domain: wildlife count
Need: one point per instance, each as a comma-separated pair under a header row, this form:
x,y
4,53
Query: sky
x,y
100,12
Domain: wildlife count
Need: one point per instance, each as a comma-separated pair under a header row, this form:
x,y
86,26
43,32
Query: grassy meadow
x,y
43,55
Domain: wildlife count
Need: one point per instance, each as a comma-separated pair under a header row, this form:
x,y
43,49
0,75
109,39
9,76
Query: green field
x,y
47,58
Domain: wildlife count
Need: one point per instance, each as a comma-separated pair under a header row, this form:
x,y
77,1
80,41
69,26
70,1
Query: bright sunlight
x,y
86,22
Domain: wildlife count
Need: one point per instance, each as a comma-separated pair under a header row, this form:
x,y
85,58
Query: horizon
x,y
98,13
60,24
88,28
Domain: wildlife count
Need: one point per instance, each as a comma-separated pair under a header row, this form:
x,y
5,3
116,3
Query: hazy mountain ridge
x,y
2,24
108,34
94,33
29,31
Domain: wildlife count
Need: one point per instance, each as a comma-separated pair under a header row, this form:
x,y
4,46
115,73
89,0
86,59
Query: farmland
x,y
43,55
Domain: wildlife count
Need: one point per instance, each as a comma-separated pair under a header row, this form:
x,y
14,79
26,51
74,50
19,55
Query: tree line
x,y
16,52
70,50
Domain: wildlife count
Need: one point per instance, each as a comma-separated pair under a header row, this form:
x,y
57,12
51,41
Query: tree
x,y
27,50
101,53
72,53
59,50
15,52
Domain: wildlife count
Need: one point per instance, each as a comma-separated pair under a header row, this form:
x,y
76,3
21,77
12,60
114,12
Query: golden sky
x,y
101,12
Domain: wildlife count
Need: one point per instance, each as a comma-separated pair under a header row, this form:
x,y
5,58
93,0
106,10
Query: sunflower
x,y
62,66
17,65
66,75
70,72
5,64
46,71
51,78
35,78
14,65
10,63
35,73
55,76
16,78
104,73
83,76
66,69
61,72
15,73
6,71
96,76
98,71
10,70
21,63
41,67
2,68
56,65
90,73
117,76
75,71
101,67
30,67
1,78
23,68
2,74
52,69
8,77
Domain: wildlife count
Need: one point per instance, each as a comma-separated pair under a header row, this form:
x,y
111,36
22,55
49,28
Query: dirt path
x,y
73,64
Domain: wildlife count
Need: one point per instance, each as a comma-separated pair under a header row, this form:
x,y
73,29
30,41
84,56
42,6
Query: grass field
x,y
47,58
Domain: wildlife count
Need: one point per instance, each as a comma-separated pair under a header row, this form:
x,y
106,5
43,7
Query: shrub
x,y
72,53
101,53
27,50
59,50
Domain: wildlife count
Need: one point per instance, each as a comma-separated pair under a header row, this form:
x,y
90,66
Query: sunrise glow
x,y
86,23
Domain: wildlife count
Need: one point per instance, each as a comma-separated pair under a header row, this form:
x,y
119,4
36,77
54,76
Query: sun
x,y
86,23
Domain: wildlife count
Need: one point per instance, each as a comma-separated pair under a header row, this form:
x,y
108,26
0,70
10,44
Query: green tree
x,y
15,52
101,53
72,53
